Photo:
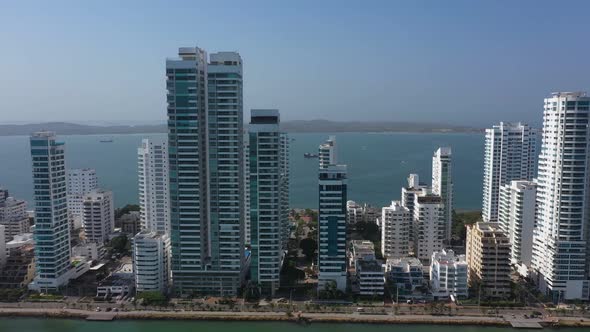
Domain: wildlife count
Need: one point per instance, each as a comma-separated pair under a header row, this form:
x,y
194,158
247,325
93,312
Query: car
x,y
108,309
359,309
97,309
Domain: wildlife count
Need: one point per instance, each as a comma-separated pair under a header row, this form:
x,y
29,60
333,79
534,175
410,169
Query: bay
x,y
378,164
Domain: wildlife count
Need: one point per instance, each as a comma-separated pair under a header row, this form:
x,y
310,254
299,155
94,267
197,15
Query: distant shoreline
x,y
313,126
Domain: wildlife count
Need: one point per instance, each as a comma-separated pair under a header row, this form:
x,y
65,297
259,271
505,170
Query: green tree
x,y
308,247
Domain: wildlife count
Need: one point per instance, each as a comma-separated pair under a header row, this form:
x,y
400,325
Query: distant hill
x,y
297,126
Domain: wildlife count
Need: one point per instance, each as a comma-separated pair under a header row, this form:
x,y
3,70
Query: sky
x,y
460,62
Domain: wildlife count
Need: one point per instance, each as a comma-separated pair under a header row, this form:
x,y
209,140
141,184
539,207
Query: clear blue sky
x,y
465,62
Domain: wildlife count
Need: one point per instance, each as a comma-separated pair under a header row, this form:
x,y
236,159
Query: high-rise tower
x,y
205,141
560,239
510,154
52,235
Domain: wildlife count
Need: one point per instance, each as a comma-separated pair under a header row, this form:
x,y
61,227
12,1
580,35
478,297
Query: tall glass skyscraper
x,y
442,185
52,235
560,242
205,141
331,218
266,199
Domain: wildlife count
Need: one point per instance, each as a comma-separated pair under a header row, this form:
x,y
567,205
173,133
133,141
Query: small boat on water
x,y
106,140
310,155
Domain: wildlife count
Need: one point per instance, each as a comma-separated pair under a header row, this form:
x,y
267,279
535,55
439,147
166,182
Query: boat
x,y
310,155
106,140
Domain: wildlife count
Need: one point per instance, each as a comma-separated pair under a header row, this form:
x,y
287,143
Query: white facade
x,y
442,185
3,253
151,259
81,181
395,230
429,225
510,154
98,218
13,215
327,152
516,216
247,225
448,274
408,196
285,181
89,250
560,243
154,191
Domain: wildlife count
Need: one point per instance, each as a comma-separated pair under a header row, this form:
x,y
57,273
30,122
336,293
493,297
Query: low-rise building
x,y
448,274
131,223
89,250
488,259
369,274
406,276
13,215
361,250
20,240
19,269
119,283
151,261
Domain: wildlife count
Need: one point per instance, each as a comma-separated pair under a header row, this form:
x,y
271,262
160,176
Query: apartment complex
x,y
510,154
448,274
332,219
154,192
560,243
81,181
98,219
205,141
442,185
266,195
516,216
488,259
151,259
395,230
428,225
13,215
52,235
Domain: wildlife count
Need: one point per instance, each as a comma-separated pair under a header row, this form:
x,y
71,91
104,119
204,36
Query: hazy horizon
x,y
457,62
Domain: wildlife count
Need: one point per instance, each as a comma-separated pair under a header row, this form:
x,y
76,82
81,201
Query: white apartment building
x,y
408,196
247,224
560,242
89,250
81,181
98,219
428,225
448,274
13,215
395,230
154,191
516,216
151,259
327,152
3,253
510,154
442,185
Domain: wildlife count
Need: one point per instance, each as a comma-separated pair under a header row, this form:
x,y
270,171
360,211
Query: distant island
x,y
296,126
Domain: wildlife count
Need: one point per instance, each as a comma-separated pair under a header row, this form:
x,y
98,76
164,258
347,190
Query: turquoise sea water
x,y
378,164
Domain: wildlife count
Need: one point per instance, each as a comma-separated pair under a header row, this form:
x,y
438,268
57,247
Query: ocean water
x,y
378,164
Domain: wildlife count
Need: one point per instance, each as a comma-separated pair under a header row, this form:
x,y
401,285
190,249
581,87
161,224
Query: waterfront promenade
x,y
500,317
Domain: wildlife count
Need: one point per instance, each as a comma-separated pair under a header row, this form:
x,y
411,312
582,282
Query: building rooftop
x,y
370,266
